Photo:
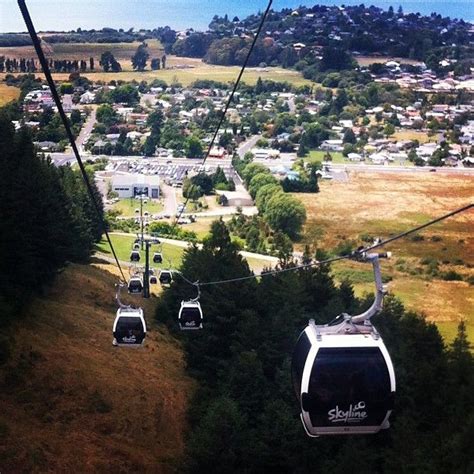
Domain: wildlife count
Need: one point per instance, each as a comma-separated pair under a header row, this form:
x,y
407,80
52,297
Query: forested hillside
x,y
46,219
245,416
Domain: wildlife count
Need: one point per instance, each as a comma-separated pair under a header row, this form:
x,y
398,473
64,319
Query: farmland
x,y
71,51
178,69
343,215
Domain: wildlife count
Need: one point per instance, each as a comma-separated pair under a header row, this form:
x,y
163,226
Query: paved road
x,y
62,159
248,145
291,105
170,203
86,129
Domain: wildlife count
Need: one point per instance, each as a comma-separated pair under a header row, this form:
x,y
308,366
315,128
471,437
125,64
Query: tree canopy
x,y
109,63
140,58
244,416
47,219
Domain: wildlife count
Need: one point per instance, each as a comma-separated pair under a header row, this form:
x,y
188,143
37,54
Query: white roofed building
x,y
128,185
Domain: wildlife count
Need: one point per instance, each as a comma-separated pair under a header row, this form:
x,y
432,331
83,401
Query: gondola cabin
x,y
166,277
129,327
135,285
153,280
344,382
135,256
190,315
136,246
157,257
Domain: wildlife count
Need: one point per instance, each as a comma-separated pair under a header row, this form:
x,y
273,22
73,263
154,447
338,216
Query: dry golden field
x,y
367,60
71,51
70,395
8,94
422,137
382,205
183,70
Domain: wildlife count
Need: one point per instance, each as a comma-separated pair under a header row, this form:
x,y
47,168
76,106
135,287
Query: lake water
x,y
179,14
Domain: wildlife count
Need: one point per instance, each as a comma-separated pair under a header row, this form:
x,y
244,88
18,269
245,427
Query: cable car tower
x,y
342,372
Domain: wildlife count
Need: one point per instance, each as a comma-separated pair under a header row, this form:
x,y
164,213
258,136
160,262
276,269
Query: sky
x,y
65,15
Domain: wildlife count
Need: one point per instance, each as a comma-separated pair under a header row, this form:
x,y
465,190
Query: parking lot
x,y
174,171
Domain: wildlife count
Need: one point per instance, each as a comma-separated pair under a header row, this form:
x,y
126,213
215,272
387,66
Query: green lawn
x,y
317,156
172,254
127,207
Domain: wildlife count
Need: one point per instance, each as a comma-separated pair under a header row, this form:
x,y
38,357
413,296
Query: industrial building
x,y
128,185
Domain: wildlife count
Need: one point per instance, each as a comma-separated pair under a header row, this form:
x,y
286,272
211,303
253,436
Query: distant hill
x,y
71,402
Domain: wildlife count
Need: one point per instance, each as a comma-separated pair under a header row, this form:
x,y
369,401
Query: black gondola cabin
x,y
166,277
190,315
129,327
345,383
135,285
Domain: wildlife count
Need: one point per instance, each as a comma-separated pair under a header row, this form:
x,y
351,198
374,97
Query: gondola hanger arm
x,y
377,305
119,286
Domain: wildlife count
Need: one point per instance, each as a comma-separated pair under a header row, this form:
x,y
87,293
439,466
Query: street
x,y
170,203
248,145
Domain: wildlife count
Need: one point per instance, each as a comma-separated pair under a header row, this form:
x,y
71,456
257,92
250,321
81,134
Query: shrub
x,y
451,275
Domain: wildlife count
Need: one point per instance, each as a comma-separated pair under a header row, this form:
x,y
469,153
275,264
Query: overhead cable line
x,y
229,101
416,229
352,255
49,78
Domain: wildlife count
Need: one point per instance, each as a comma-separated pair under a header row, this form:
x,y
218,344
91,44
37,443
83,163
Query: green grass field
x,y
128,206
172,254
317,156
